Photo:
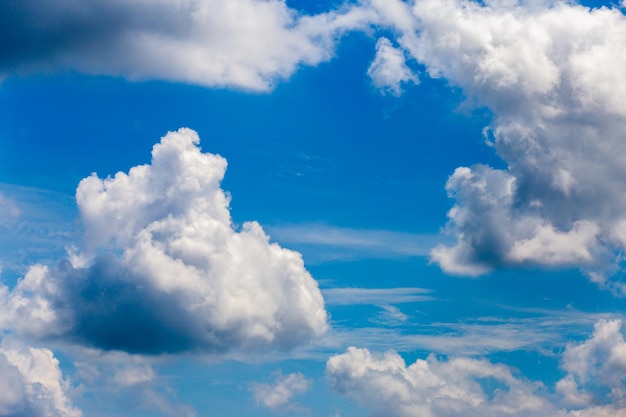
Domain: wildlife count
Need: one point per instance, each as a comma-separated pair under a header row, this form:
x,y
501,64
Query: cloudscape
x,y
333,209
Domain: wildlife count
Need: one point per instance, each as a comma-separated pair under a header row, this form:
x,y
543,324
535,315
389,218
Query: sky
x,y
312,208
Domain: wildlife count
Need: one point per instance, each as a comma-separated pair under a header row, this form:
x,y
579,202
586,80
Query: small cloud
x,y
389,72
281,392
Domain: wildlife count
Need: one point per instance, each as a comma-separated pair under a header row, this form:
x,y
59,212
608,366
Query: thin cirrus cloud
x,y
163,270
550,73
246,44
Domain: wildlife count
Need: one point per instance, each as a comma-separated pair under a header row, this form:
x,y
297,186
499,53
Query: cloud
x,y
118,377
549,71
389,71
282,391
595,368
320,242
592,386
163,269
249,44
31,383
377,296
433,387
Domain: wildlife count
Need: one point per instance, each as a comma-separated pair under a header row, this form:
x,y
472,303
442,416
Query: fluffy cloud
x,y
31,383
434,388
593,384
241,43
550,73
595,368
389,71
164,270
281,392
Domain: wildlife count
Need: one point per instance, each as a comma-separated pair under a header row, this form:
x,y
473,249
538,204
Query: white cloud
x,y
165,270
593,385
433,387
249,44
31,383
320,242
595,368
378,296
389,71
550,73
282,391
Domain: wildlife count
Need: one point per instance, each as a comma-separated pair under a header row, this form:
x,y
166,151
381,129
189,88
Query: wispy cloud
x,y
375,296
322,242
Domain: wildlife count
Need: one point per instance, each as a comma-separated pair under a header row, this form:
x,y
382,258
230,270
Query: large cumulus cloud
x,y
164,270
242,43
550,72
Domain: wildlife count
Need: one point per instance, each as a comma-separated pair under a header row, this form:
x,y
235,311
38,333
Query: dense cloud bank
x,y
593,384
163,269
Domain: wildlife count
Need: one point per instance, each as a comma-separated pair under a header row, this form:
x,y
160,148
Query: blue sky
x,y
416,209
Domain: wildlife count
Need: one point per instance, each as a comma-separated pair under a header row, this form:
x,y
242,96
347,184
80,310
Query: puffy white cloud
x,y
389,71
434,388
461,386
595,369
242,43
164,270
31,383
282,391
550,73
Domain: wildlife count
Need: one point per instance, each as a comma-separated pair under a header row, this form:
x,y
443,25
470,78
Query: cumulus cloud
x,y
164,270
550,73
31,383
593,384
595,369
433,387
242,43
282,391
389,70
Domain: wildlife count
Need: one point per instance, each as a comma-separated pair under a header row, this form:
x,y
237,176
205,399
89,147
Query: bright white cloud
x,y
432,387
282,391
595,368
249,44
594,383
551,74
164,270
389,71
31,383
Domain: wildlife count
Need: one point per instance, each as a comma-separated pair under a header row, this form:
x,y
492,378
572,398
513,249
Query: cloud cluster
x,y
31,383
434,388
240,43
550,73
164,270
593,384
